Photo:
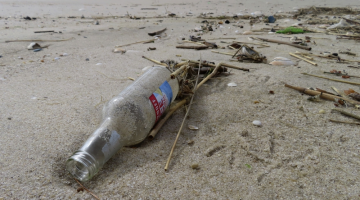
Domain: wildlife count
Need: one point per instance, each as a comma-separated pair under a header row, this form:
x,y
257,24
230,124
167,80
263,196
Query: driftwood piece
x,y
192,47
322,95
282,42
157,32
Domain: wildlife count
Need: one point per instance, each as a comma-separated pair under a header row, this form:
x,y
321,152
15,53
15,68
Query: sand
x,y
49,108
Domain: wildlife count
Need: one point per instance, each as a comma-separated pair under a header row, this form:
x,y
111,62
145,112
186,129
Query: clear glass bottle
x,y
127,120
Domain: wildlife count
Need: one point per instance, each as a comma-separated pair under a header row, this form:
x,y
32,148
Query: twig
x,y
348,82
322,95
194,42
182,125
175,73
223,64
155,61
282,42
157,32
43,31
341,74
230,54
39,40
162,121
213,73
87,189
337,121
304,59
146,41
347,113
192,47
222,38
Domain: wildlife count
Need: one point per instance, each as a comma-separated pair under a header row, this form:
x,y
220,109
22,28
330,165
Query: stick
x,y
230,54
148,8
43,31
175,73
347,113
342,74
87,189
182,125
223,64
157,32
155,61
304,59
39,40
147,41
192,47
180,64
213,73
162,121
348,82
282,42
194,42
323,95
351,21
337,121
222,38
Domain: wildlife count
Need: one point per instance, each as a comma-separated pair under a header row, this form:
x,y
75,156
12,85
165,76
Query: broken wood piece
x,y
213,73
337,80
155,61
230,54
162,121
178,71
194,42
322,95
282,42
304,59
157,32
192,47
144,42
43,31
347,113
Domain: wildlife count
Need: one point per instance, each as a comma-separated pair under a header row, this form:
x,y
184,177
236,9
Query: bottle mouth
x,y
81,166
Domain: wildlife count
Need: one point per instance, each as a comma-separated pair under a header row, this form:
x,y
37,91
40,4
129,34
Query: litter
x,y
232,84
281,61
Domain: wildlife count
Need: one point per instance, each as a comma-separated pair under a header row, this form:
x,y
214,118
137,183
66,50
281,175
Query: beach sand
x,y
50,104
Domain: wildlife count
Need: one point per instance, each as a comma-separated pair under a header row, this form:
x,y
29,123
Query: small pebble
x,y
232,84
36,50
191,127
257,123
57,58
98,63
195,166
87,59
322,111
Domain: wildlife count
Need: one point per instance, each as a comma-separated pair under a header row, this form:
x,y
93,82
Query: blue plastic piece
x,y
271,19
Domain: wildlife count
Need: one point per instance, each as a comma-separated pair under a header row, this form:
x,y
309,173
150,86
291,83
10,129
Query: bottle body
x,y
127,120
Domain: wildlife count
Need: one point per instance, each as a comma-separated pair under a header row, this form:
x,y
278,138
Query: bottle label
x,y
161,98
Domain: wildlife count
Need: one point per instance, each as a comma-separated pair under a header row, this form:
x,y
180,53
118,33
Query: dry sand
x,y
49,108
